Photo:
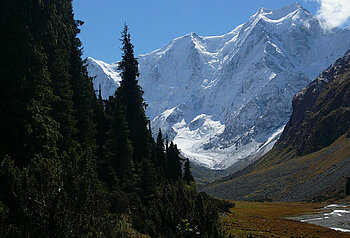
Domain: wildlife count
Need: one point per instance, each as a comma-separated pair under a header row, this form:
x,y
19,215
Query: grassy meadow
x,y
268,219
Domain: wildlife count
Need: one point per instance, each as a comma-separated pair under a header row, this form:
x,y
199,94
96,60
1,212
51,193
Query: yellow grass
x,y
268,220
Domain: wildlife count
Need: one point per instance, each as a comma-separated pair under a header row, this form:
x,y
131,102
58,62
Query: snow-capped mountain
x,y
225,98
106,76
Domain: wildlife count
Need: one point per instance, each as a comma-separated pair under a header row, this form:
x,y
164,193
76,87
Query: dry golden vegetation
x,y
283,176
269,220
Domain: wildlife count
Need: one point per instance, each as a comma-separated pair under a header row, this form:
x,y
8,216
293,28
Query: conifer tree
x,y
101,123
104,168
37,67
119,147
187,172
56,198
174,163
84,97
55,36
160,152
160,143
25,93
129,94
56,132
148,180
166,143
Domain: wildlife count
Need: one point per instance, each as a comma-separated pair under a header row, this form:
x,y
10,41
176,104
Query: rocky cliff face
x,y
311,160
320,110
225,98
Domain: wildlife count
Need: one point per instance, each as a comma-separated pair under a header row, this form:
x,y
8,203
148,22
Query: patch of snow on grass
x,y
340,229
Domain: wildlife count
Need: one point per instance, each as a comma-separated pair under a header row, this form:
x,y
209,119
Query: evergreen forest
x,y
72,163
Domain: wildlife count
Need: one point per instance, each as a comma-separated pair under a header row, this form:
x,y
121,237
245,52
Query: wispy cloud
x,y
333,13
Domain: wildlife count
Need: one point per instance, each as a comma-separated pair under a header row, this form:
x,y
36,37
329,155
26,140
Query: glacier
x,y
225,98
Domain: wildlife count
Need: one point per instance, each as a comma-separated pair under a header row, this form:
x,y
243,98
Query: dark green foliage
x,y
25,93
187,172
161,216
72,164
147,171
160,156
56,35
148,179
129,94
174,163
85,100
101,124
223,205
118,145
57,198
160,150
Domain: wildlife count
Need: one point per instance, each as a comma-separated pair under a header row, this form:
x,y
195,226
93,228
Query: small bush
x,y
223,205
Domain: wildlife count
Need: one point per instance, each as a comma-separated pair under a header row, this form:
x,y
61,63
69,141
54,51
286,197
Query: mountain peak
x,y
282,13
286,9
193,34
233,80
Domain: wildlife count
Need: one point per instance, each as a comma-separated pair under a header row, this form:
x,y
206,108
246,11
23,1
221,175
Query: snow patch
x,y
340,229
225,98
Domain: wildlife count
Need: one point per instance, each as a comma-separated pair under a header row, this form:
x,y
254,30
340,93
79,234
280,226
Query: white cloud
x,y
334,13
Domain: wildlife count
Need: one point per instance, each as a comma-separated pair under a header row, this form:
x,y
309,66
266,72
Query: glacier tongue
x,y
225,98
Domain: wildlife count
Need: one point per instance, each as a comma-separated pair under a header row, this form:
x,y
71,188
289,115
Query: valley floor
x,y
268,219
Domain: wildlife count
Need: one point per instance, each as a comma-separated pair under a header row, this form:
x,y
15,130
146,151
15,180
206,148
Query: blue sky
x,y
154,23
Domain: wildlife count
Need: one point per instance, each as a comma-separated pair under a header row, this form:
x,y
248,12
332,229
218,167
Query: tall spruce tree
x,y
160,153
129,95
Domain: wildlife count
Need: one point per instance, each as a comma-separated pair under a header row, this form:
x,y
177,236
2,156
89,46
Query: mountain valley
x,y
224,100
311,160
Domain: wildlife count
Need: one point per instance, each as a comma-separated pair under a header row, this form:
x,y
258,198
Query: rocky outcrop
x,y
320,111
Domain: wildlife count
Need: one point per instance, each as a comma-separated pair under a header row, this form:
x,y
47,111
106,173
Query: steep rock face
x,y
226,98
311,159
316,122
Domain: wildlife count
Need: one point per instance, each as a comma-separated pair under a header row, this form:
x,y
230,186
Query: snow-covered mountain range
x,y
225,98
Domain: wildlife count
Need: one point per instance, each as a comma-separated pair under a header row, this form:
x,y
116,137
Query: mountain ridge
x,y
212,95
311,159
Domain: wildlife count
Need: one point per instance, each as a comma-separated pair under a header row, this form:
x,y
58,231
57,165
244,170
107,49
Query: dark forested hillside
x,y
72,164
311,160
